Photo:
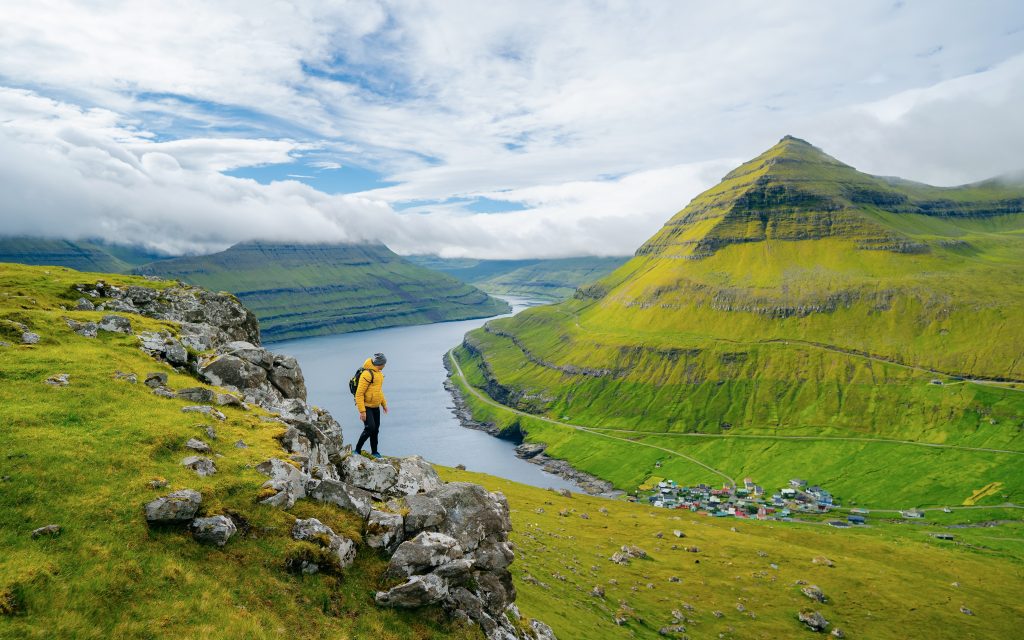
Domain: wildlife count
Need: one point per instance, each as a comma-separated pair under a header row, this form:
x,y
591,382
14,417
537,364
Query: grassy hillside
x,y
798,298
79,255
82,456
550,280
888,580
305,290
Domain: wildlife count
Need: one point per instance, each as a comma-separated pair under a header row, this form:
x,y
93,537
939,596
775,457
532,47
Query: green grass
x,y
890,580
798,298
305,290
82,456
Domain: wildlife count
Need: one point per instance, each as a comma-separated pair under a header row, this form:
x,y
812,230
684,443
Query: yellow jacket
x,y
370,394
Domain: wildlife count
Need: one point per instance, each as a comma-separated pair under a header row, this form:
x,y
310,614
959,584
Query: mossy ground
x,y
889,580
82,456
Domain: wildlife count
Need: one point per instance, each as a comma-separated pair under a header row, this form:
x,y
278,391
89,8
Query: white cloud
x,y
602,119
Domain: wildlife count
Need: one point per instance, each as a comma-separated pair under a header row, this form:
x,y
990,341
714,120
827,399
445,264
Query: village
x,y
748,500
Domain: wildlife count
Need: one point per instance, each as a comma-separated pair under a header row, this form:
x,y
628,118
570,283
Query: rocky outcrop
x,y
180,506
263,377
181,303
215,530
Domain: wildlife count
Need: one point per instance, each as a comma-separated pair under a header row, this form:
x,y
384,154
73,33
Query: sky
x,y
493,129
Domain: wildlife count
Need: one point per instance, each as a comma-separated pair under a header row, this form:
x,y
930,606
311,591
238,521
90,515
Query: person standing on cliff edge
x,y
370,400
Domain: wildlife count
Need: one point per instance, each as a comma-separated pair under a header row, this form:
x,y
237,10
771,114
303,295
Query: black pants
x,y
370,428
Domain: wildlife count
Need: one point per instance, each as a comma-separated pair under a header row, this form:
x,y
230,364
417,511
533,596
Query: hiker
x,y
370,400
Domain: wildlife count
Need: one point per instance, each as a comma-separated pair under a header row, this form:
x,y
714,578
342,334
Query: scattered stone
x,y
201,395
241,445
823,561
838,633
673,579
210,431
955,584
717,614
127,377
620,558
51,530
693,549
164,392
28,337
197,445
814,620
659,535
201,465
286,485
180,506
342,550
59,380
157,483
762,554
115,324
597,591
679,534
205,410
634,551
565,493
84,305
213,530
539,510
460,467
564,513
585,516
85,329
813,592
228,400
966,611
603,510
672,630
154,380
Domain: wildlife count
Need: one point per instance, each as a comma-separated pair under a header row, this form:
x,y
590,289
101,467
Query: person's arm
x,y
383,400
361,395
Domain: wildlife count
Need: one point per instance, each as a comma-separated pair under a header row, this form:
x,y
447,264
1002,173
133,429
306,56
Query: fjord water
x,y
421,421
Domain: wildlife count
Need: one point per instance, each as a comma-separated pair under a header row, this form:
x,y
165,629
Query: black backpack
x,y
353,382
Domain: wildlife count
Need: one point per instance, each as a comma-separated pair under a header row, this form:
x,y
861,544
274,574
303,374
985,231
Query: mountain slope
x,y
550,280
306,290
798,297
83,256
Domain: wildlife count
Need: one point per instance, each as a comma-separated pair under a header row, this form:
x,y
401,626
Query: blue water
x,y
421,420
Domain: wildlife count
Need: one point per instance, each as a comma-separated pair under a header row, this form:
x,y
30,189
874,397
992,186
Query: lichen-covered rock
x,y
115,324
233,372
418,591
196,444
286,480
312,530
375,477
813,592
50,530
180,506
28,337
155,380
59,380
286,375
423,553
215,530
206,411
415,475
197,394
384,530
84,305
341,494
425,512
814,620
201,465
85,329
472,514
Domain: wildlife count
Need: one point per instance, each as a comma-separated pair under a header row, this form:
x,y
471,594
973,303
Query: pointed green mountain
x,y
797,298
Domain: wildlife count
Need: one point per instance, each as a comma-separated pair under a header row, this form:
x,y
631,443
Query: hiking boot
x,y
376,455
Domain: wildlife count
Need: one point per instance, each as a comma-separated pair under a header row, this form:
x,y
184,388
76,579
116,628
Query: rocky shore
x,y
532,453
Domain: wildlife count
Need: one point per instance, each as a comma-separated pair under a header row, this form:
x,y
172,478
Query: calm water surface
x,y
420,421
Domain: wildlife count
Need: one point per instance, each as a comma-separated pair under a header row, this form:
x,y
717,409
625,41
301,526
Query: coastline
x,y
532,453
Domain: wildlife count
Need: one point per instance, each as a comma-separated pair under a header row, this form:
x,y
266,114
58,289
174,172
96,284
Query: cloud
x,y
602,119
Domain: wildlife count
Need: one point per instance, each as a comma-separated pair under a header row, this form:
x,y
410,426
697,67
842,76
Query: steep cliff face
x,y
303,290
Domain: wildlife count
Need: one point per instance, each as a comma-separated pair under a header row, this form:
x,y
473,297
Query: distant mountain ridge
x,y
544,279
797,297
79,255
299,290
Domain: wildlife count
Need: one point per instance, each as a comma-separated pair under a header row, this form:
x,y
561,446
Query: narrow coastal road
x,y
487,400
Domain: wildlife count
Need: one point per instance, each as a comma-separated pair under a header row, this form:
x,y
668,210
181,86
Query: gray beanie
x,y
378,359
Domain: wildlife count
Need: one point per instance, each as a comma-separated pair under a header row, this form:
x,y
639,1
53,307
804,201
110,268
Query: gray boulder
x,y
415,475
213,530
813,592
286,480
473,514
86,329
312,530
248,352
50,530
341,494
233,372
175,353
196,444
287,377
201,337
201,465
375,477
425,512
155,380
180,506
197,394
206,411
59,380
27,337
115,324
423,553
814,620
419,591
84,305
384,530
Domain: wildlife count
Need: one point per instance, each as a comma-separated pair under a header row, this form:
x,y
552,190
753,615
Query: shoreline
x,y
532,453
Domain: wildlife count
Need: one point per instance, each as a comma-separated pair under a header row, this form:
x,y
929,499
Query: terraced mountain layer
x,y
550,280
797,298
305,290
83,256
